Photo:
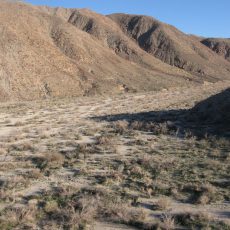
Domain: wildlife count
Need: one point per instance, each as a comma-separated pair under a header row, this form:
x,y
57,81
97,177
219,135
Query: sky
x,y
208,18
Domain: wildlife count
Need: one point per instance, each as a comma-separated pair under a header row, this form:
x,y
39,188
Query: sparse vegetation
x,y
133,171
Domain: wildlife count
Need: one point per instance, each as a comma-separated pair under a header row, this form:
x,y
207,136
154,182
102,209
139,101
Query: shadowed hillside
x,y
209,117
214,111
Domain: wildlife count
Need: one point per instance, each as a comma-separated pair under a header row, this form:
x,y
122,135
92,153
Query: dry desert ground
x,y
130,161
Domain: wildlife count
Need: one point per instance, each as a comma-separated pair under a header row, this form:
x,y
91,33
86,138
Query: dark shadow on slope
x,y
172,122
214,110
210,117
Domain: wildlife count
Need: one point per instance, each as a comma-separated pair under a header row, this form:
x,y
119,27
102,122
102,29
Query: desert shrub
x,y
156,128
162,204
51,207
206,195
64,209
168,222
34,174
17,218
104,140
117,210
202,194
18,123
120,127
26,146
200,220
49,160
137,172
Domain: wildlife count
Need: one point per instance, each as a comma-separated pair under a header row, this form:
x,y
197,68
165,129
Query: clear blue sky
x,y
209,18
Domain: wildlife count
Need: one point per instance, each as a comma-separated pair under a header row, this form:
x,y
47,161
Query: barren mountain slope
x,y
172,46
42,54
218,45
111,36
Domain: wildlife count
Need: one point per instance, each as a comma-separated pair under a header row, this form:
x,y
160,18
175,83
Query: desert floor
x,y
123,162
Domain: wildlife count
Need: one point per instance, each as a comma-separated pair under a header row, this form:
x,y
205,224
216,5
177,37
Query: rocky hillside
x,y
218,45
170,45
56,52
